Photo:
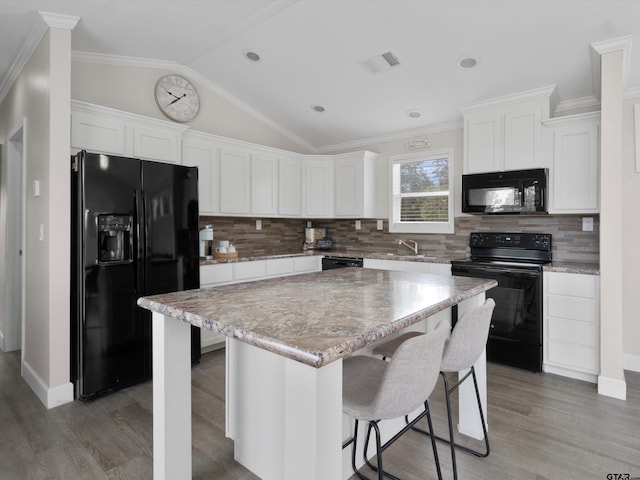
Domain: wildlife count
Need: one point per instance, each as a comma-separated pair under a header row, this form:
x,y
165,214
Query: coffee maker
x,y
315,239
206,238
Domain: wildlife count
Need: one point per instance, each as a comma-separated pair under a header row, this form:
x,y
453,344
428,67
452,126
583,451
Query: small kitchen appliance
x,y
515,261
315,239
206,237
511,192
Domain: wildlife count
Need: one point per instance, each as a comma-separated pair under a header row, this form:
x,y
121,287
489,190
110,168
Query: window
x,y
422,193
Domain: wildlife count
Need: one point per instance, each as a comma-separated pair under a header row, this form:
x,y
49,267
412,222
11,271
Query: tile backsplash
x,y
279,236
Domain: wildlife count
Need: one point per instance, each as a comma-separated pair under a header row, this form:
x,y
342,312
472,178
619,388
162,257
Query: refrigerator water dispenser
x,y
114,239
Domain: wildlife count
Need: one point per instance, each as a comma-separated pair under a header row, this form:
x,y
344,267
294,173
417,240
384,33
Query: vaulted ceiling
x,y
320,53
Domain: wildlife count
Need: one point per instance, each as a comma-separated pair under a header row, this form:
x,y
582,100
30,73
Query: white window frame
x,y
395,226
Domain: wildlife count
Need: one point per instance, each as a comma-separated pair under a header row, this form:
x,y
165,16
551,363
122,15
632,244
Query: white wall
x,y
131,89
41,95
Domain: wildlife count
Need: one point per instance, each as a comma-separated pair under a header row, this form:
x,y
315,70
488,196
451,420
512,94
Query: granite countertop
x,y
317,318
573,267
556,266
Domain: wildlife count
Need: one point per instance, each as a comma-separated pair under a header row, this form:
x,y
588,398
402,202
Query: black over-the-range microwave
x,y
516,191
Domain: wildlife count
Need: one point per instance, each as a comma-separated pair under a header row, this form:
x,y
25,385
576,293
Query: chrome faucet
x,y
413,247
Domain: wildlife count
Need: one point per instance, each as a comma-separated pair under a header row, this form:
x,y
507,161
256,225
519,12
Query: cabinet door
x,y
349,195
290,186
264,184
156,144
483,150
235,181
574,176
522,138
98,134
318,187
205,156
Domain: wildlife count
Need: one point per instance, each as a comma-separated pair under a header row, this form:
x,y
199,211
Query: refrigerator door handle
x,y
138,241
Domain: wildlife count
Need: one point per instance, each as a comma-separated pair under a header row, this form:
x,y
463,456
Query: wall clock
x,y
177,98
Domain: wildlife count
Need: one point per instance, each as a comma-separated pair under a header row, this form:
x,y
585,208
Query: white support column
x,y
171,398
284,417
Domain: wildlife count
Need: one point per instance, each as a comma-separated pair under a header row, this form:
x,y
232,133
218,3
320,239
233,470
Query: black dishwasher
x,y
331,263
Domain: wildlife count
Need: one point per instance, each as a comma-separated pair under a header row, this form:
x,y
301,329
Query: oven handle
x,y
504,271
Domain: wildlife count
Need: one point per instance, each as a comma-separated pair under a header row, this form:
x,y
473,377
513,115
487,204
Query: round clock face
x,y
177,98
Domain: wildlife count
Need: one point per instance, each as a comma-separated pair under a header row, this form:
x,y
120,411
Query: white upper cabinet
x,y
506,133
355,181
199,151
318,185
264,184
105,130
235,181
572,142
290,186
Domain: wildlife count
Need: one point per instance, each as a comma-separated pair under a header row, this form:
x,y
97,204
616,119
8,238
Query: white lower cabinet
x,y
226,273
572,325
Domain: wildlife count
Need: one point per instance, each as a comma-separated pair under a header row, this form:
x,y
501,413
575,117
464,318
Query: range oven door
x,y
515,336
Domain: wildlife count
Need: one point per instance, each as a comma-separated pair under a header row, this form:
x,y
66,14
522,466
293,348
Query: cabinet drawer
x,y
574,356
213,274
574,332
279,266
247,270
573,308
572,284
307,264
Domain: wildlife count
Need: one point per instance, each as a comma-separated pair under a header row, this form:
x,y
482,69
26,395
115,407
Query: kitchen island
x,y
286,341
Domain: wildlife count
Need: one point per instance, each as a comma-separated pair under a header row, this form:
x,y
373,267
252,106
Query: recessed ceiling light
x,y
414,113
317,108
467,62
253,56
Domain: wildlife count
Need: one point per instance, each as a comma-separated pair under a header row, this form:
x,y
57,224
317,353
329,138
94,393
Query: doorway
x,y
14,239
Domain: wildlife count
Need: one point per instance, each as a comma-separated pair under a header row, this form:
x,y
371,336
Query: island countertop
x,y
317,318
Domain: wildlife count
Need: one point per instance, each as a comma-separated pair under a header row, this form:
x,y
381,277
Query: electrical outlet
x,y
358,224
587,224
41,235
258,224
36,188
379,225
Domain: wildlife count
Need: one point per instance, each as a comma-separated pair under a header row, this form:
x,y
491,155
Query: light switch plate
x,y
36,188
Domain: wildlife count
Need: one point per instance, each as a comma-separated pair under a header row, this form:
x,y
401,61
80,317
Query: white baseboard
x,y
632,362
50,397
567,372
612,387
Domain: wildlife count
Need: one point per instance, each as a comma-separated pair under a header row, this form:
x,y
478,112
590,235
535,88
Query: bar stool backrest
x,y
468,338
411,375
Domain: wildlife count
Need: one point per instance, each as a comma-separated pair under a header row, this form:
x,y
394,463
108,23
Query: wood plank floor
x,y
541,427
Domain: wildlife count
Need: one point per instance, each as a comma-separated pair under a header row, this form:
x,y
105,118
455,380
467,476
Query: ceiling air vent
x,y
380,62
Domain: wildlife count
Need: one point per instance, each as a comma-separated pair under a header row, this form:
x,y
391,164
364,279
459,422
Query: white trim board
x,y
50,397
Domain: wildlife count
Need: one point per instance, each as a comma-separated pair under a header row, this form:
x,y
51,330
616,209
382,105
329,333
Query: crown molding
x,y
37,32
121,60
549,91
58,20
590,102
391,137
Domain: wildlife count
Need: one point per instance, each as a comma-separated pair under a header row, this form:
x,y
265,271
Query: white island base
x,y
284,402
286,417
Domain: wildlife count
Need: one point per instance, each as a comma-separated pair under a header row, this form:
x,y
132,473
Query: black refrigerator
x,y
134,232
